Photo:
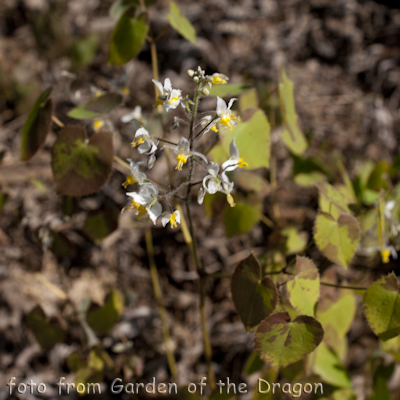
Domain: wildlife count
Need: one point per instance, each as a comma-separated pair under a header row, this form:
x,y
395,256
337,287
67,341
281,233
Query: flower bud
x,y
190,72
196,79
205,91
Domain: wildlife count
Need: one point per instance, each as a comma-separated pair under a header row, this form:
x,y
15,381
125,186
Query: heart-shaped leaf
x,y
303,288
382,307
47,332
128,38
81,167
254,299
180,23
97,106
337,239
102,319
281,342
292,136
36,126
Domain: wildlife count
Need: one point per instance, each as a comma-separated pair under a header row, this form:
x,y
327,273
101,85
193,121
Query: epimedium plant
x,y
300,317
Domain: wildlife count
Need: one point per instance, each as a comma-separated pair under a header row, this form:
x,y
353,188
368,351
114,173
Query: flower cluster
x,y
146,201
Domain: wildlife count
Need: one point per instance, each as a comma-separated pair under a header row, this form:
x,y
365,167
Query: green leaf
x,y
378,178
281,342
329,367
229,89
293,137
119,7
243,217
97,106
100,223
88,377
381,391
337,239
83,51
296,241
254,298
248,100
303,288
128,38
252,182
181,24
102,319
47,332
382,307
3,200
335,195
81,167
36,126
252,139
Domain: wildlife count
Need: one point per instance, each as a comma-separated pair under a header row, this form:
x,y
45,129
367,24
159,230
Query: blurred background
x,y
344,59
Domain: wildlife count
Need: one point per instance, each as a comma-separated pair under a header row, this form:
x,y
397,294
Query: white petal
x,y
184,145
231,102
233,150
221,107
154,211
213,168
390,205
144,147
141,132
127,117
151,161
200,196
167,85
177,216
165,216
159,86
196,153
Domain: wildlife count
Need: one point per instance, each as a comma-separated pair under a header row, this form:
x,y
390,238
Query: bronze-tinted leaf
x,y
36,126
81,167
254,299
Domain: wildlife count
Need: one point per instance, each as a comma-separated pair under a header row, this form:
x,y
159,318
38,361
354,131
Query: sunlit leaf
x,y
228,89
102,319
296,241
88,378
303,288
81,167
281,342
180,23
292,136
47,332
100,223
248,100
254,298
337,239
382,307
243,217
36,126
252,139
328,365
128,38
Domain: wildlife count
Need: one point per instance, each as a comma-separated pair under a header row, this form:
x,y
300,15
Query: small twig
x,y
166,141
57,121
205,127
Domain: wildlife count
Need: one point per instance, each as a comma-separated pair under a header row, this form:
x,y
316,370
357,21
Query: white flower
x,y
144,141
171,98
389,208
183,152
135,175
224,115
217,78
235,160
173,219
136,113
214,183
145,202
211,183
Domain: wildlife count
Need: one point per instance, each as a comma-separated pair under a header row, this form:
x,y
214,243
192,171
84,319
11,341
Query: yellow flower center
x,y
216,80
125,90
214,128
159,102
242,163
385,254
135,206
181,159
137,142
170,101
130,180
230,200
172,221
98,124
